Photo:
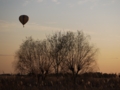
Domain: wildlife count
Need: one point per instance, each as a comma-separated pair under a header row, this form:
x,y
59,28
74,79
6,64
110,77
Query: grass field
x,y
63,82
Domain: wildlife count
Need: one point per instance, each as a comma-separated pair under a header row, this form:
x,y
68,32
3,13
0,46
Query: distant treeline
x,y
84,75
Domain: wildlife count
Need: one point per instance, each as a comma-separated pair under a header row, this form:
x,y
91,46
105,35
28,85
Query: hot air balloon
x,y
23,19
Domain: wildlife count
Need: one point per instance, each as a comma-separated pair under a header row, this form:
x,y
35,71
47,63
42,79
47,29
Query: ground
x,y
15,82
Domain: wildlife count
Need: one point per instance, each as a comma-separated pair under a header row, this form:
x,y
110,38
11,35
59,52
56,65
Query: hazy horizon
x,y
98,18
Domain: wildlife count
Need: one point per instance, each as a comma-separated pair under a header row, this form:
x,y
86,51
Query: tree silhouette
x,y
61,52
73,52
33,57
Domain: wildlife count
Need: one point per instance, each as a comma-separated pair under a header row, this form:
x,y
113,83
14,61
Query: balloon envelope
x,y
23,19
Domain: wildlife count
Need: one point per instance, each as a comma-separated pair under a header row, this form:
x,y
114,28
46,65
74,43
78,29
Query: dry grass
x,y
62,83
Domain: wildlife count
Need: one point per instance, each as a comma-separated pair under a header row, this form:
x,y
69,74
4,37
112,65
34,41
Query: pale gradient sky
x,y
98,18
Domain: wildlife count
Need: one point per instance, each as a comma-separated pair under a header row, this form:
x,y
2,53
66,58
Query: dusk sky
x,y
98,18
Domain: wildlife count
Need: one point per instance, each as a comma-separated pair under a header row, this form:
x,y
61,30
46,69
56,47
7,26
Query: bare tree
x,y
43,57
73,52
58,50
24,57
81,54
34,57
